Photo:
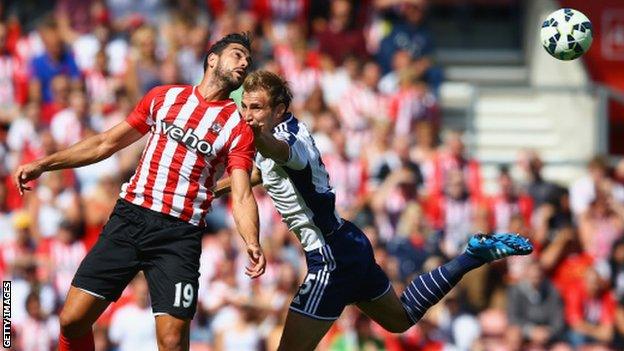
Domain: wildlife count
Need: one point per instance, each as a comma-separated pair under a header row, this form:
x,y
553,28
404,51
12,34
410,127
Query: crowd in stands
x,y
365,82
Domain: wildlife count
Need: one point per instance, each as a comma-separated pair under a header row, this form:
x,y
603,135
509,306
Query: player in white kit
x,y
341,265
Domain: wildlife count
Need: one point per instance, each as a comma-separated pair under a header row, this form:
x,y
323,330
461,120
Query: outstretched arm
x,y
85,152
224,186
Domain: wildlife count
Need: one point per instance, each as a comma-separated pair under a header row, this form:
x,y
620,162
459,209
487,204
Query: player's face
x,y
232,65
256,108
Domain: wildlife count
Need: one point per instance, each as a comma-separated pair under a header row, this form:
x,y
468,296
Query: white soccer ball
x,y
566,34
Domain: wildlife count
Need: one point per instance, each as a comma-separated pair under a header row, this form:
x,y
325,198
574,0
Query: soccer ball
x,y
566,34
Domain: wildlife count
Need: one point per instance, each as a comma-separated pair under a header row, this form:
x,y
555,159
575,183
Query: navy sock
x,y
460,265
429,288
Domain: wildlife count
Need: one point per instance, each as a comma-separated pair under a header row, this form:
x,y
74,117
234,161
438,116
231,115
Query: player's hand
x,y
26,173
257,261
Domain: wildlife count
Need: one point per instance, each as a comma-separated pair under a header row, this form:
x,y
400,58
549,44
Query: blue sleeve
x,y
35,68
74,71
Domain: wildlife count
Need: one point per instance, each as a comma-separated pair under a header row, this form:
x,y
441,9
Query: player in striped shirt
x,y
194,134
341,266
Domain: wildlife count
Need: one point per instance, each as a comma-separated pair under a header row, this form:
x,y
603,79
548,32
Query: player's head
x,y
229,59
266,98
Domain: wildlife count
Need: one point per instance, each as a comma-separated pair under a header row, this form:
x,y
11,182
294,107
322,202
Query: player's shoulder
x,y
290,124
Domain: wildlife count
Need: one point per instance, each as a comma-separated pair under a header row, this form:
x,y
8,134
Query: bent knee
x,y
72,326
170,342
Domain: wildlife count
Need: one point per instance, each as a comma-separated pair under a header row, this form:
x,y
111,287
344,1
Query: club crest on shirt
x,y
216,128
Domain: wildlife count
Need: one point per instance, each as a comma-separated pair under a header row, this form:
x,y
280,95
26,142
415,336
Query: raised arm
x,y
85,152
269,146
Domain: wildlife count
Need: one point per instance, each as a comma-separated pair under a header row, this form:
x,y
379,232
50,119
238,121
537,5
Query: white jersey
x,y
300,187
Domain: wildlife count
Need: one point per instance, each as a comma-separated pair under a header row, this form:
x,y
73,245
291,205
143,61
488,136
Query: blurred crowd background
x,y
365,82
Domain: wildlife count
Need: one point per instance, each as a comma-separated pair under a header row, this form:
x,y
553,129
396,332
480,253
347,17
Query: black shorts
x,y
165,248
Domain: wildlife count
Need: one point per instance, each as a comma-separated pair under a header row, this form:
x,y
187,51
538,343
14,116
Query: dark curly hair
x,y
233,38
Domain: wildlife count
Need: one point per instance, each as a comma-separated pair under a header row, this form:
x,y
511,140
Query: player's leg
x,y
100,279
302,333
172,333
387,311
170,259
80,311
429,288
322,296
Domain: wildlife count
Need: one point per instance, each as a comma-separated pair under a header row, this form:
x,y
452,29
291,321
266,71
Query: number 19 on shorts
x,y
183,296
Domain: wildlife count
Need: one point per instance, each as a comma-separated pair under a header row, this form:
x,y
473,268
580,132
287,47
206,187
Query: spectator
x,y
508,203
398,190
132,326
101,84
102,38
23,138
190,57
453,157
411,245
8,79
590,312
76,13
618,340
358,337
340,37
389,82
348,177
409,33
68,126
601,225
143,72
454,214
493,324
243,333
616,268
535,310
6,216
61,89
413,102
5,154
39,332
61,255
18,251
52,202
24,282
460,327
540,190
57,59
583,191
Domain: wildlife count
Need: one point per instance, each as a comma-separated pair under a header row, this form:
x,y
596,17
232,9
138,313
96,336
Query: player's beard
x,y
227,78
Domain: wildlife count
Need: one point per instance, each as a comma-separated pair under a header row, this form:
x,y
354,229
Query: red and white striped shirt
x,y
192,141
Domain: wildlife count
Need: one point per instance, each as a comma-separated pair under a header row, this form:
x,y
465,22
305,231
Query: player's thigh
x,y
113,261
387,311
80,311
302,333
172,333
170,261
